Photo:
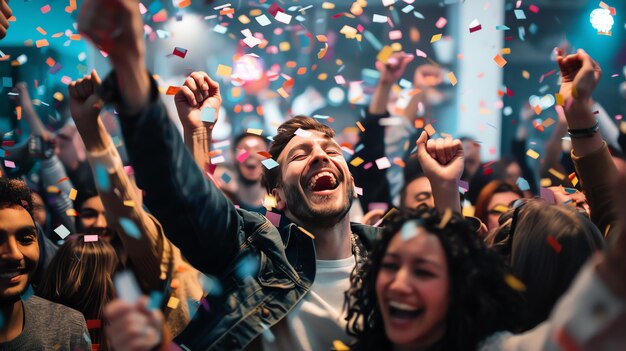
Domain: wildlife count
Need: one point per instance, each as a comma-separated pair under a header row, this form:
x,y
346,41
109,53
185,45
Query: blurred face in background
x,y
93,221
39,210
250,168
499,203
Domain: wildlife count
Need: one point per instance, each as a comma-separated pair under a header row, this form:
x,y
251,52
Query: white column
x,y
478,112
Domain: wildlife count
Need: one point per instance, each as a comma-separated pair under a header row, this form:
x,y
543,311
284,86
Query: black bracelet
x,y
585,132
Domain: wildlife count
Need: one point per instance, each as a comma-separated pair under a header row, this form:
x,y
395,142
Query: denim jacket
x,y
263,271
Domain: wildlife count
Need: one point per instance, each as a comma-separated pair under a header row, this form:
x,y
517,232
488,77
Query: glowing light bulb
x,y
601,20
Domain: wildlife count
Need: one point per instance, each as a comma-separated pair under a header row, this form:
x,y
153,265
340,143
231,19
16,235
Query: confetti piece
x,y
173,302
129,203
130,228
384,54
224,71
273,217
283,17
514,283
556,246
71,212
102,177
62,231
441,22
556,174
522,184
9,164
208,115
263,20
357,161
429,129
45,9
547,195
89,239
447,216
383,163
559,99
338,345
303,133
474,26
172,90
73,194
452,78
269,163
409,230
395,35
379,19
127,287
519,14
435,38
499,60
306,232
180,52
532,154
42,43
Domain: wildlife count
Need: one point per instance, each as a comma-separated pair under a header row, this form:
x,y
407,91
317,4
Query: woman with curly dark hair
x,y
430,284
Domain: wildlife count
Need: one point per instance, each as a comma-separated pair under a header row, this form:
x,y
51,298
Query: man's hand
x,y
580,75
198,92
85,104
5,14
427,76
441,159
391,71
116,27
133,326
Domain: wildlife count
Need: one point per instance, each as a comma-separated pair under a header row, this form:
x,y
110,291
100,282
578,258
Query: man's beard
x,y
316,217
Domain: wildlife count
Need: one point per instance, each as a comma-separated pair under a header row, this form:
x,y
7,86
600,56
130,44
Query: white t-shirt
x,y
319,318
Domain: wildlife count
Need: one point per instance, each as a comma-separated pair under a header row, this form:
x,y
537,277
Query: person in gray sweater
x,y
28,322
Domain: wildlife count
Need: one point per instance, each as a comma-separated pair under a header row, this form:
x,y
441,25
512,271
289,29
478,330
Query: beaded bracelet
x,y
584,132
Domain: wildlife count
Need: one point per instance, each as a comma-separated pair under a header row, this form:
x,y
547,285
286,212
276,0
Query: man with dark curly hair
x,y
29,322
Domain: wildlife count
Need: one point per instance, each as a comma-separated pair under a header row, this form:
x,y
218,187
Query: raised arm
x,y
442,162
390,72
194,213
590,154
121,197
5,14
425,78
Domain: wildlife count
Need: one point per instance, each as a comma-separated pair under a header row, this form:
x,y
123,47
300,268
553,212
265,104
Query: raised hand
x,y
441,159
133,326
580,75
442,162
5,14
394,68
85,104
197,93
427,76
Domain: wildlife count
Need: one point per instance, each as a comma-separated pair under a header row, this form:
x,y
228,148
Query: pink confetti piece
x,y
243,156
441,22
9,164
90,238
274,218
45,9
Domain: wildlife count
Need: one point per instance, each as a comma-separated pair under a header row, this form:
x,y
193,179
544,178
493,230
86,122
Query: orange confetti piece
x,y
537,109
419,123
41,43
226,12
42,31
429,129
398,162
50,61
172,90
301,71
62,180
75,37
18,110
514,283
358,124
452,78
500,61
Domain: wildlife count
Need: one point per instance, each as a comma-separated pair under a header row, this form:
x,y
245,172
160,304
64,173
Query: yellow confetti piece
x,y
548,122
328,5
243,19
452,78
71,212
514,283
500,208
224,71
468,211
254,131
284,46
392,211
525,74
53,189
129,203
269,201
499,60
306,232
338,345
73,194
282,92
559,99
322,76
435,38
532,154
173,302
447,216
556,173
384,54
505,51
357,161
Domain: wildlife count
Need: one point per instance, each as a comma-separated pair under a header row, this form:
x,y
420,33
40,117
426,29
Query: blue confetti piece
x,y
86,337
155,300
226,178
502,27
247,267
28,293
102,178
533,28
130,228
155,7
2,153
409,230
519,14
371,38
359,148
208,115
7,82
269,163
522,184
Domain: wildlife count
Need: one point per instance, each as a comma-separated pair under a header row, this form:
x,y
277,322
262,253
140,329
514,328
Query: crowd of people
x,y
164,255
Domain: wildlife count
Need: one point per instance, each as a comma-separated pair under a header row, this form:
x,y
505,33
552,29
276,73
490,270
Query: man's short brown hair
x,y
286,132
13,193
